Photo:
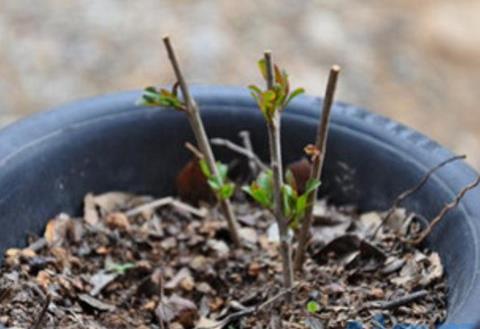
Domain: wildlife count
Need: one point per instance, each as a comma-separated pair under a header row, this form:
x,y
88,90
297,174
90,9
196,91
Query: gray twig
x,y
240,150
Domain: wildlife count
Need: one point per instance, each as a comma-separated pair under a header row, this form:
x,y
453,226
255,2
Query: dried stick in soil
x,y
399,199
445,210
38,321
201,137
316,172
247,143
273,129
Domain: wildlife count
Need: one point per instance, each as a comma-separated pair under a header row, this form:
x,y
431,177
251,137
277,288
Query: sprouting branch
x,y
273,127
240,150
201,137
318,159
445,210
400,198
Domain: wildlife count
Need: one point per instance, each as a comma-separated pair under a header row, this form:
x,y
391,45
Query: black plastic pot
x,y
49,161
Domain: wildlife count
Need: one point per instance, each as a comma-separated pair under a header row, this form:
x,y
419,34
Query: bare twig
x,y
404,300
201,137
316,173
445,210
247,143
166,201
252,309
38,321
273,128
240,150
196,152
414,189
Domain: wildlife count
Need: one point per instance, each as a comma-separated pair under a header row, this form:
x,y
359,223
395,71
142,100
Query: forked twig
x,y
412,190
445,210
240,150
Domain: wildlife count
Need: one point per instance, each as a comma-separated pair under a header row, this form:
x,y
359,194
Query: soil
x,y
121,266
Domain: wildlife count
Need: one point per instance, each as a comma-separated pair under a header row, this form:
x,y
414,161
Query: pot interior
x,y
118,146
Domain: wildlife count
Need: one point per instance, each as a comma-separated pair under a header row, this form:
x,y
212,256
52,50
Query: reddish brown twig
x,y
316,173
400,198
445,210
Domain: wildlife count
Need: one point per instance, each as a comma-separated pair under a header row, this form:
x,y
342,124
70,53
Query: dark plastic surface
x,y
48,162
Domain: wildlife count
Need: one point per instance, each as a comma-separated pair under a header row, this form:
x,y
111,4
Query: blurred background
x,y
415,61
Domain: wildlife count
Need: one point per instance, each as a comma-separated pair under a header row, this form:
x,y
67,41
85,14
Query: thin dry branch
x,y
201,137
318,160
445,210
240,150
247,143
400,198
38,321
196,152
166,201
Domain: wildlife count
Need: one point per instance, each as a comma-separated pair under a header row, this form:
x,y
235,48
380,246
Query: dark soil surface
x,y
174,267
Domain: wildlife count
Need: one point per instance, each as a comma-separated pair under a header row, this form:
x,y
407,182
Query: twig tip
x,y
336,68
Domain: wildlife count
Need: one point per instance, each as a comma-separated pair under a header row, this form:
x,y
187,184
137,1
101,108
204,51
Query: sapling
x,y
317,153
215,172
269,190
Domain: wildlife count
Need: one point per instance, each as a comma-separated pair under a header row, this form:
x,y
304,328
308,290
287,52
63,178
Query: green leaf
x,y
290,179
288,196
214,184
313,307
120,268
295,93
226,191
258,194
222,170
265,181
254,89
311,185
262,65
300,206
204,168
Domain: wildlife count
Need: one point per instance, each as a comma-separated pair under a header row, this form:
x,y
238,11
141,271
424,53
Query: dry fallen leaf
x,y
90,213
176,308
205,323
117,220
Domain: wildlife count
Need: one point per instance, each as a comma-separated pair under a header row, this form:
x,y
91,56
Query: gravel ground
x,y
415,61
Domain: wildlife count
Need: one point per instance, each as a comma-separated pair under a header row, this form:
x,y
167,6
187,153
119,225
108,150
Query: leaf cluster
x,y
218,183
278,96
294,204
162,97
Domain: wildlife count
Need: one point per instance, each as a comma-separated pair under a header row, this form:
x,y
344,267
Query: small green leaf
x,y
262,65
311,185
290,179
313,307
214,184
258,194
120,268
226,191
295,93
222,170
204,168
